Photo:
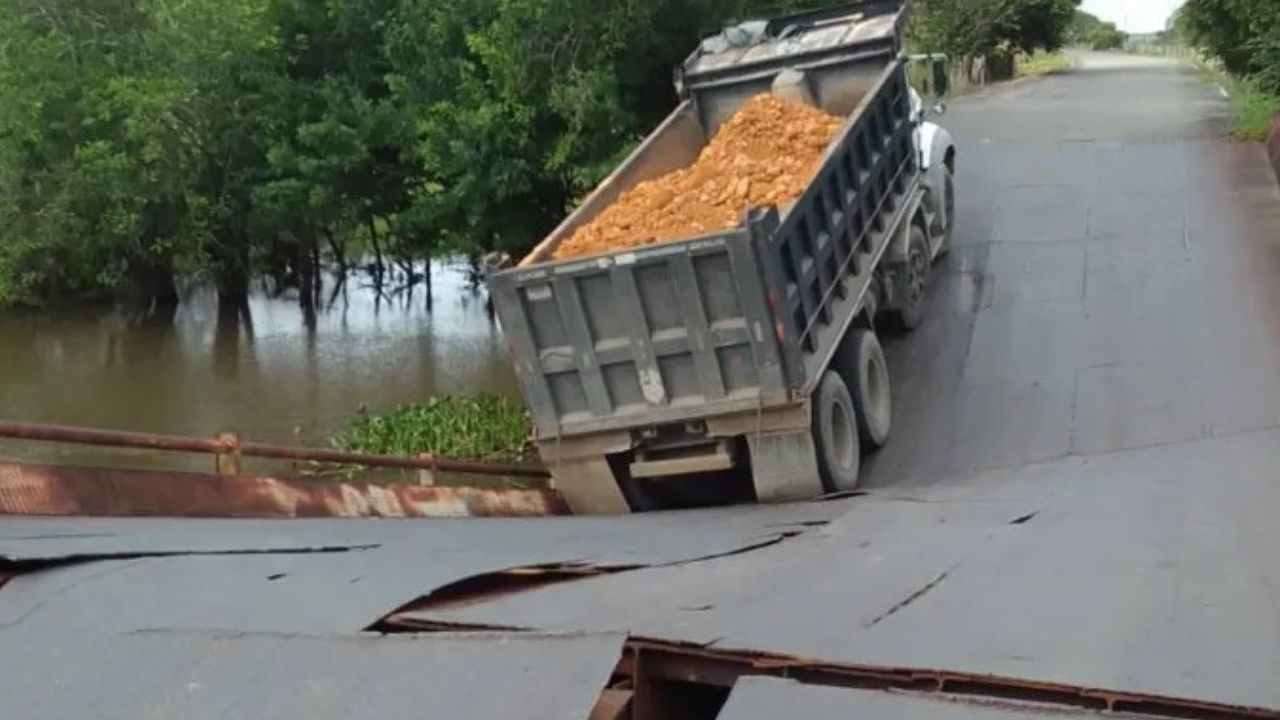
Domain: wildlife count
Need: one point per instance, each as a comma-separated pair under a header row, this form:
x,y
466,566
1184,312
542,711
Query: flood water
x,y
267,375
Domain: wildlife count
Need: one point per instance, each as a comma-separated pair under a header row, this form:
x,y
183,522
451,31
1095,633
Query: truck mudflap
x,y
582,473
784,467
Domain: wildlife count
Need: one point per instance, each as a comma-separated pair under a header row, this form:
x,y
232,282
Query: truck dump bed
x,y
736,320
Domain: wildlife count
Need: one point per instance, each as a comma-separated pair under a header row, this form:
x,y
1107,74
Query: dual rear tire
x,y
852,410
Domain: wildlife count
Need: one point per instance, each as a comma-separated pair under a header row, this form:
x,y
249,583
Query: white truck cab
x,y
937,154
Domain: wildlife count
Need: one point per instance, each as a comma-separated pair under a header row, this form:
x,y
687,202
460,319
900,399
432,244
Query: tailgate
x,y
656,335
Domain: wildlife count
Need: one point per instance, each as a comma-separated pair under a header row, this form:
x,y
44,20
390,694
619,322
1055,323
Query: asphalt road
x,y
1115,282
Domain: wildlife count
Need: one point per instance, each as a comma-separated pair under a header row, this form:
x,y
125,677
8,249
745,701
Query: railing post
x,y
427,476
227,461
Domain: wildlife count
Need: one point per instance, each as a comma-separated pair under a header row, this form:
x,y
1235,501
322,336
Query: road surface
x,y
1114,283
1080,490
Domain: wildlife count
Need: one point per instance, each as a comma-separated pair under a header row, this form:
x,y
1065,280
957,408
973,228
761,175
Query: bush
x,y
979,28
1107,38
1253,105
469,427
1243,34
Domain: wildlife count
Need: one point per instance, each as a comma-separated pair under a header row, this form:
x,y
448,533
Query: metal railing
x,y
229,448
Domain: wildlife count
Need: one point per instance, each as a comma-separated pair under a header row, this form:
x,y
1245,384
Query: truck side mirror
x,y
941,79
937,78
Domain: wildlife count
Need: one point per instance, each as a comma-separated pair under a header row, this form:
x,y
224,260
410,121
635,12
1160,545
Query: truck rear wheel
x,y
835,434
867,375
949,204
910,281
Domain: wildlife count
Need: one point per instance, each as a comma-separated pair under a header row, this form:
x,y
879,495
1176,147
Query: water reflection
x,y
268,368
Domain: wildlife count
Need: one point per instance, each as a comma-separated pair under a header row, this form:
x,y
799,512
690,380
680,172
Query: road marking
x,y
1224,92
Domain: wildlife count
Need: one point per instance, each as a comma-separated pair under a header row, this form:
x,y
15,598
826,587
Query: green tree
x,y
336,158
1087,29
143,140
1243,34
523,105
978,28
1107,37
127,152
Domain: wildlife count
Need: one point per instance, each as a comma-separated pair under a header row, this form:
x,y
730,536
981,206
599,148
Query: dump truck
x,y
746,358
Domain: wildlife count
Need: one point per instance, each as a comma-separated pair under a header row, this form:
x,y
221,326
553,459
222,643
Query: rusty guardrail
x,y
228,448
69,491
65,490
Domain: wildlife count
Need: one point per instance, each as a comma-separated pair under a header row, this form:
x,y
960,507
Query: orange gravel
x,y
764,155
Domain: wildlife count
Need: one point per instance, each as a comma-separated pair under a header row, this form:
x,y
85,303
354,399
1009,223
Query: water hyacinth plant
x,y
468,427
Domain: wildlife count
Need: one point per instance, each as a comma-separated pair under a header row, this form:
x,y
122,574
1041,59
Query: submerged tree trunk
x,y
337,249
309,279
232,262
426,276
234,325
317,276
151,281
307,272
379,267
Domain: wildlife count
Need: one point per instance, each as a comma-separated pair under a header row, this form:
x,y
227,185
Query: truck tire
x,y
835,434
867,375
910,280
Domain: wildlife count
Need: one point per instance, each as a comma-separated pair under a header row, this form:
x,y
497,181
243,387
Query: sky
x,y
1134,16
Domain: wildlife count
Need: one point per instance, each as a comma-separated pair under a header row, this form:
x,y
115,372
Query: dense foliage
x,y
979,28
142,140
1243,34
1089,30
473,427
147,140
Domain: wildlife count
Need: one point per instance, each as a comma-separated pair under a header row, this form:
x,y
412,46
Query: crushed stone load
x,y
764,155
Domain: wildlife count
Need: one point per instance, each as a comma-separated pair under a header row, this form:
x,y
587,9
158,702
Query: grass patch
x,y
1041,63
464,427
1252,106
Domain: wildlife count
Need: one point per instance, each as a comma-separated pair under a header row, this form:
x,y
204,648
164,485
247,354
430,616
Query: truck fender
x,y
937,156
935,140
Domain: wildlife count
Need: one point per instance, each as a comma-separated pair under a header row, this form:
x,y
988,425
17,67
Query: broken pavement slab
x,y
256,575
1150,570
213,675
865,563
667,536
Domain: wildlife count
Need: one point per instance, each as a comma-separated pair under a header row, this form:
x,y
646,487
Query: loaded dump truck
x,y
749,352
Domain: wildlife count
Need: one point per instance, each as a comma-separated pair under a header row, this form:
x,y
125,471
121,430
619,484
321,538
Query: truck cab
x,y
937,149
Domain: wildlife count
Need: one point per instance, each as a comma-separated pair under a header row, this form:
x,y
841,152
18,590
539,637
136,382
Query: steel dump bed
x,y
737,320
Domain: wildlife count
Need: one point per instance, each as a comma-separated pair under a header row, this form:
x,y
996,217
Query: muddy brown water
x,y
194,371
